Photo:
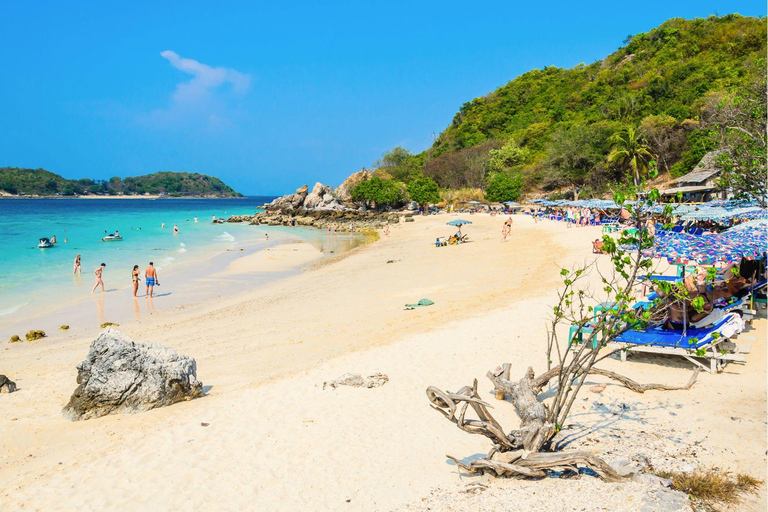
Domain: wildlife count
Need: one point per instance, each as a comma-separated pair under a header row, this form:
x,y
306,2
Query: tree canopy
x,y
378,192
177,184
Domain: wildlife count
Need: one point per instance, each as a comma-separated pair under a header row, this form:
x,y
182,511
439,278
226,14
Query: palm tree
x,y
629,151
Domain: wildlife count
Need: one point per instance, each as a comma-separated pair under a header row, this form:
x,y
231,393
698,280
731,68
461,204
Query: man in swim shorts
x,y
151,275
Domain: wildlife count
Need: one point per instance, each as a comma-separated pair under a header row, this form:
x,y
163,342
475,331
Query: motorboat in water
x,y
45,243
112,238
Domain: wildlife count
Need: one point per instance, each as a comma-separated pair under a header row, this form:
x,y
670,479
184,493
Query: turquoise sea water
x,y
34,280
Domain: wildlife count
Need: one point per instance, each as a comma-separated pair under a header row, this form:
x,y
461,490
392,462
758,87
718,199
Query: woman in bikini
x,y
77,266
135,278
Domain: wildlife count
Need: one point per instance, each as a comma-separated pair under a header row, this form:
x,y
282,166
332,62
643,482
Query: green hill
x,y
552,125
39,182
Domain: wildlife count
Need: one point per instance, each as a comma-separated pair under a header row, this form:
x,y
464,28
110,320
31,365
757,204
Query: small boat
x,y
112,238
45,243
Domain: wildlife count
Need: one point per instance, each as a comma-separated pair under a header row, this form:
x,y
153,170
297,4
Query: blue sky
x,y
269,96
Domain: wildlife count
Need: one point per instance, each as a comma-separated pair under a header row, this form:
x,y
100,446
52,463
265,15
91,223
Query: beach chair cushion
x,y
728,326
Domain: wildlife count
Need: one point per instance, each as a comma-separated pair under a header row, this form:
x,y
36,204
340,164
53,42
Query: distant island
x,y
18,182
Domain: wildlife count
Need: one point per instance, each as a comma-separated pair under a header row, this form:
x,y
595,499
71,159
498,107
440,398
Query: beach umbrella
x,y
459,222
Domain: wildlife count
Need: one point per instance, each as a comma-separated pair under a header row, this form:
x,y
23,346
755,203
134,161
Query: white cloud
x,y
210,100
205,79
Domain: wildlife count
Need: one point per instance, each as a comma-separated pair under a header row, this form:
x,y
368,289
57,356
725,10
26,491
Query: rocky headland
x,y
323,208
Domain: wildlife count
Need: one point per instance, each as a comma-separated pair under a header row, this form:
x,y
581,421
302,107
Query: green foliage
x,y
504,186
424,190
667,72
741,124
630,152
40,182
508,156
378,192
401,164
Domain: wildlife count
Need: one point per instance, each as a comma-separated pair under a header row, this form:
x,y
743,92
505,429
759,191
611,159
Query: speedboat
x,y
45,243
112,238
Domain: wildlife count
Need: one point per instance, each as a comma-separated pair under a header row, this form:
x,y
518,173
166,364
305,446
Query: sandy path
x,y
276,440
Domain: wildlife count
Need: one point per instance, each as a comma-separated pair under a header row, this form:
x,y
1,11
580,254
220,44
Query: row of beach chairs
x,y
710,348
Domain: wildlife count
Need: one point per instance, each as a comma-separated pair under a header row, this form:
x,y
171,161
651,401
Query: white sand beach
x,y
276,440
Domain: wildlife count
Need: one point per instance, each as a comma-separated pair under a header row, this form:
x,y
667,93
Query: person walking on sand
x,y
77,266
175,229
99,270
151,275
506,229
135,279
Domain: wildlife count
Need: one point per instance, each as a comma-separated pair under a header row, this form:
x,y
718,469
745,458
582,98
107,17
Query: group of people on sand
x,y
150,276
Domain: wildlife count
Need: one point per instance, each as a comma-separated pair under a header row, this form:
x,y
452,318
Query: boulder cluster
x,y
321,198
340,220
322,208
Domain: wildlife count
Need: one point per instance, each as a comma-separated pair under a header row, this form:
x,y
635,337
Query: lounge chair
x,y
695,345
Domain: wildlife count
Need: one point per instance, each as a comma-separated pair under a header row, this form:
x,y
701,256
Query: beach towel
x,y
422,302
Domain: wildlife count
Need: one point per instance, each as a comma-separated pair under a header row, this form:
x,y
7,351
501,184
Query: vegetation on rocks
x,y
34,335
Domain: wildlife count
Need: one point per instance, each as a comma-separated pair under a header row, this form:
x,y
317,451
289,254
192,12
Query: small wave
x,y
12,310
165,261
225,237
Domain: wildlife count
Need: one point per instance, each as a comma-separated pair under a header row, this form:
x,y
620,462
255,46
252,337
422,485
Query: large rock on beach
x,y
315,198
344,191
297,200
122,376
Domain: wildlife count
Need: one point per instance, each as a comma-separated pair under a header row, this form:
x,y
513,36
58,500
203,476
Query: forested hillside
x,y
555,128
39,182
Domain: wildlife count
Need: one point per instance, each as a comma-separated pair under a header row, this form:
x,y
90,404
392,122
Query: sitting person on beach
x,y
676,320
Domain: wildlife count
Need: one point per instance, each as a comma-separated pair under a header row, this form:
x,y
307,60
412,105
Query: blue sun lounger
x,y
696,344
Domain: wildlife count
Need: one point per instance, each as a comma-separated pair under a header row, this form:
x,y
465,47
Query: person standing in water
x,y
77,266
163,225
98,272
175,229
135,279
151,275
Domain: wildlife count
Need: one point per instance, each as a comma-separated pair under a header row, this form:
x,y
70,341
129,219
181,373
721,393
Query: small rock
x,y
204,424
35,335
357,381
599,388
108,324
649,479
14,339
625,467
7,385
64,327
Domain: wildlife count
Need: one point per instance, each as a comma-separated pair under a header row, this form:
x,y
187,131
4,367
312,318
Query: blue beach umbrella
x,y
459,222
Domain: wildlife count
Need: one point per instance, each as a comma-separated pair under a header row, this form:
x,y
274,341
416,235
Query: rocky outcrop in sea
x,y
323,208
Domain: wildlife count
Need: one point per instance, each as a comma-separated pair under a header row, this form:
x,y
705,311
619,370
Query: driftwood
x,y
523,452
